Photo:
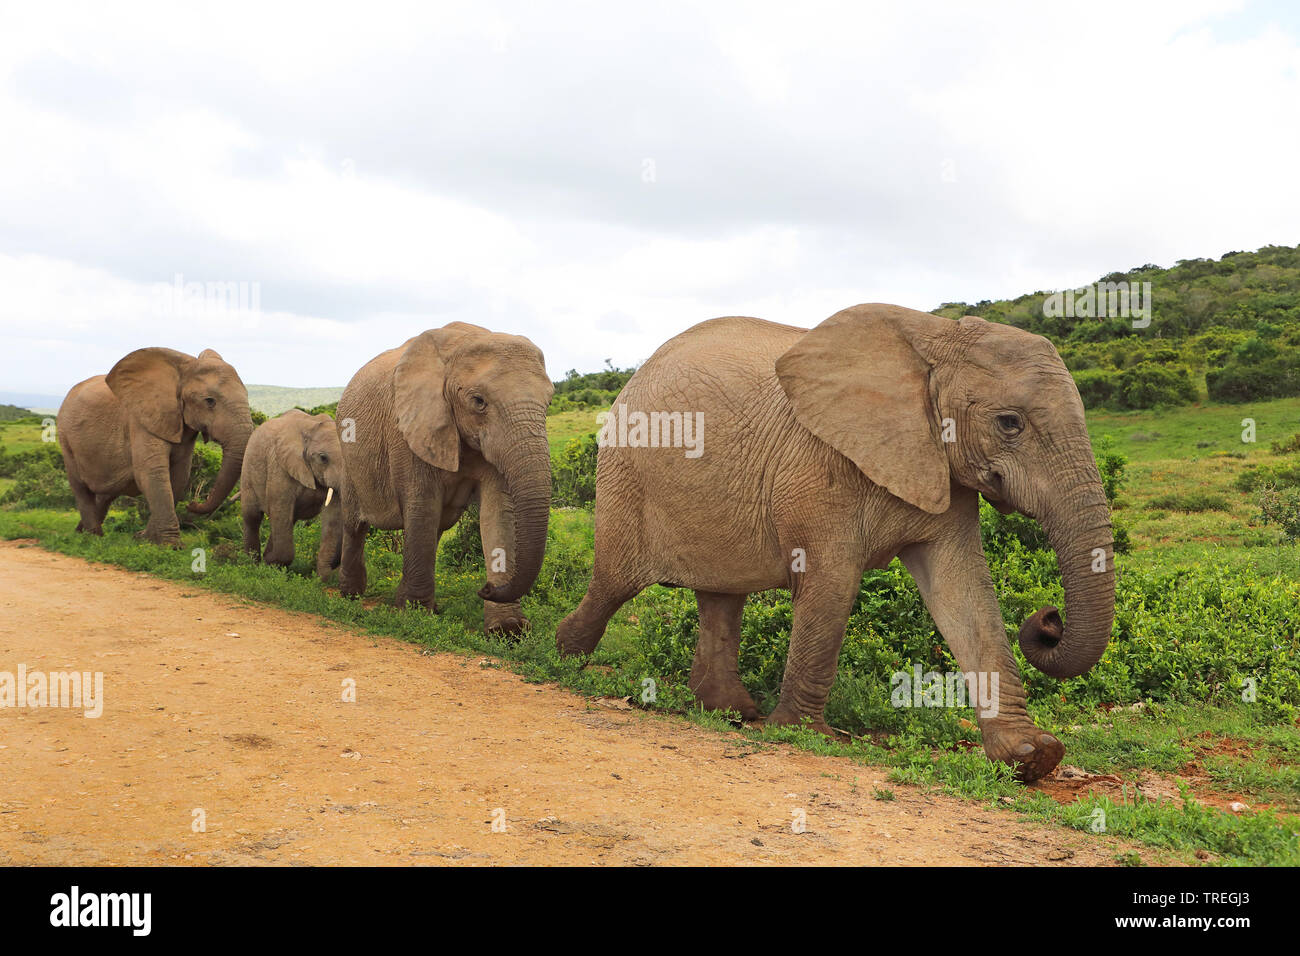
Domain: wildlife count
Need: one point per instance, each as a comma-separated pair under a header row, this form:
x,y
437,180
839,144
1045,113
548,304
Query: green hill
x,y
9,413
271,400
1226,329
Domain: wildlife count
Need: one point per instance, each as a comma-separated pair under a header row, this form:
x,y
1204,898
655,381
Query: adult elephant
x,y
832,451
454,415
292,468
132,432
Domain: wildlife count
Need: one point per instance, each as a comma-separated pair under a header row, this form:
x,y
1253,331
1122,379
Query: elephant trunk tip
x,y
502,595
1040,641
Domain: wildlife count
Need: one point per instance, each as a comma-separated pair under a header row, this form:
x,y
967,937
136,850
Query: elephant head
x,y
168,393
489,391
311,454
917,401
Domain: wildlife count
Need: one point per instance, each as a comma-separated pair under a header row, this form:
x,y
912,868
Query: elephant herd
x,y
829,451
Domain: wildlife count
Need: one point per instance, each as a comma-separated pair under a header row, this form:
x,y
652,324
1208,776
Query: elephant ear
x,y
148,384
859,383
424,415
291,453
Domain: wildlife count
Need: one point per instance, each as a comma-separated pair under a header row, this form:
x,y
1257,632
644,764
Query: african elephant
x,y
453,415
293,467
832,451
132,432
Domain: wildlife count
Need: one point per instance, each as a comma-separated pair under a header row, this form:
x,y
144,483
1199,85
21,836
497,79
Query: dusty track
x,y
253,730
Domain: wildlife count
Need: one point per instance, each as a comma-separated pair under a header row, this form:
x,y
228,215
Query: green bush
x,y
1256,477
1282,508
1256,370
1188,502
1149,385
39,479
573,473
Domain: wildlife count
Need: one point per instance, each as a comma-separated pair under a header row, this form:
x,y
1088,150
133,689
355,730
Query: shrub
x,y
1286,447
1282,508
1096,387
39,480
1246,378
1148,385
573,473
1189,502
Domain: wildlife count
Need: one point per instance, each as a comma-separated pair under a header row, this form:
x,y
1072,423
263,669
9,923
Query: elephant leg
x,y
251,518
102,503
91,522
279,545
821,612
715,675
497,530
581,631
352,566
615,580
331,540
163,527
953,578
419,553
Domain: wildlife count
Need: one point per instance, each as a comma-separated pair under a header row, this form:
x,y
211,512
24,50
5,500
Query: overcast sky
x,y
599,176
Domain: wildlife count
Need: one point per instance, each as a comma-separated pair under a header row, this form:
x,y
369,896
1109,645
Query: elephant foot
x,y
572,639
164,539
96,530
351,587
404,596
1033,752
504,619
787,717
325,573
724,695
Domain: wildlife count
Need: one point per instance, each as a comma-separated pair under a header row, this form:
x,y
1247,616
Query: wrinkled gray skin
x,y
454,415
291,464
132,432
831,441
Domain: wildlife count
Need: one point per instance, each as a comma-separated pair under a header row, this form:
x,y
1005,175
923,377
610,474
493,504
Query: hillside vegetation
x,y
1225,329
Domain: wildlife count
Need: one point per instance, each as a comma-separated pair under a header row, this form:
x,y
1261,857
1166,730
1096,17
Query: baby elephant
x,y
292,469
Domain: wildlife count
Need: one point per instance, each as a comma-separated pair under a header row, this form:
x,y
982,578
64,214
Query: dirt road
x,y
230,715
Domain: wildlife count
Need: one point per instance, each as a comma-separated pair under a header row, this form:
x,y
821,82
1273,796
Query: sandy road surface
x,y
237,710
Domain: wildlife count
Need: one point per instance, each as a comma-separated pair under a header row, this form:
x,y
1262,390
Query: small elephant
x,y
293,467
832,451
132,432
452,416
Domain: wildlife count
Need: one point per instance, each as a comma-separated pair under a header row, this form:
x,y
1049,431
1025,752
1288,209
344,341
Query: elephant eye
x,y
1011,423
324,459
211,402
479,402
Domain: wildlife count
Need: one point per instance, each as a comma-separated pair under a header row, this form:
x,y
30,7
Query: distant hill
x,y
271,400
31,402
9,413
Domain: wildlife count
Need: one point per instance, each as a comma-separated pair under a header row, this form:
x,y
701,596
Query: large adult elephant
x,y
453,415
832,451
132,432
293,467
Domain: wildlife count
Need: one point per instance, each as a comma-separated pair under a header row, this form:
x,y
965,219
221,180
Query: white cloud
x,y
382,169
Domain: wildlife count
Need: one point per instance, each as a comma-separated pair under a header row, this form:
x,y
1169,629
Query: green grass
x,y
562,427
20,436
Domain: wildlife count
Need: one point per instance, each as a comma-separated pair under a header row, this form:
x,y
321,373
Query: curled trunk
x,y
1079,530
232,461
527,472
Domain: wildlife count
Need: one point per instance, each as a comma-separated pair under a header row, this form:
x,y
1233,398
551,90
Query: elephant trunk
x,y
1079,531
232,461
527,472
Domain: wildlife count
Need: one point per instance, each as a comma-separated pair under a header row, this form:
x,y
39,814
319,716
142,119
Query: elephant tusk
x,y
328,496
